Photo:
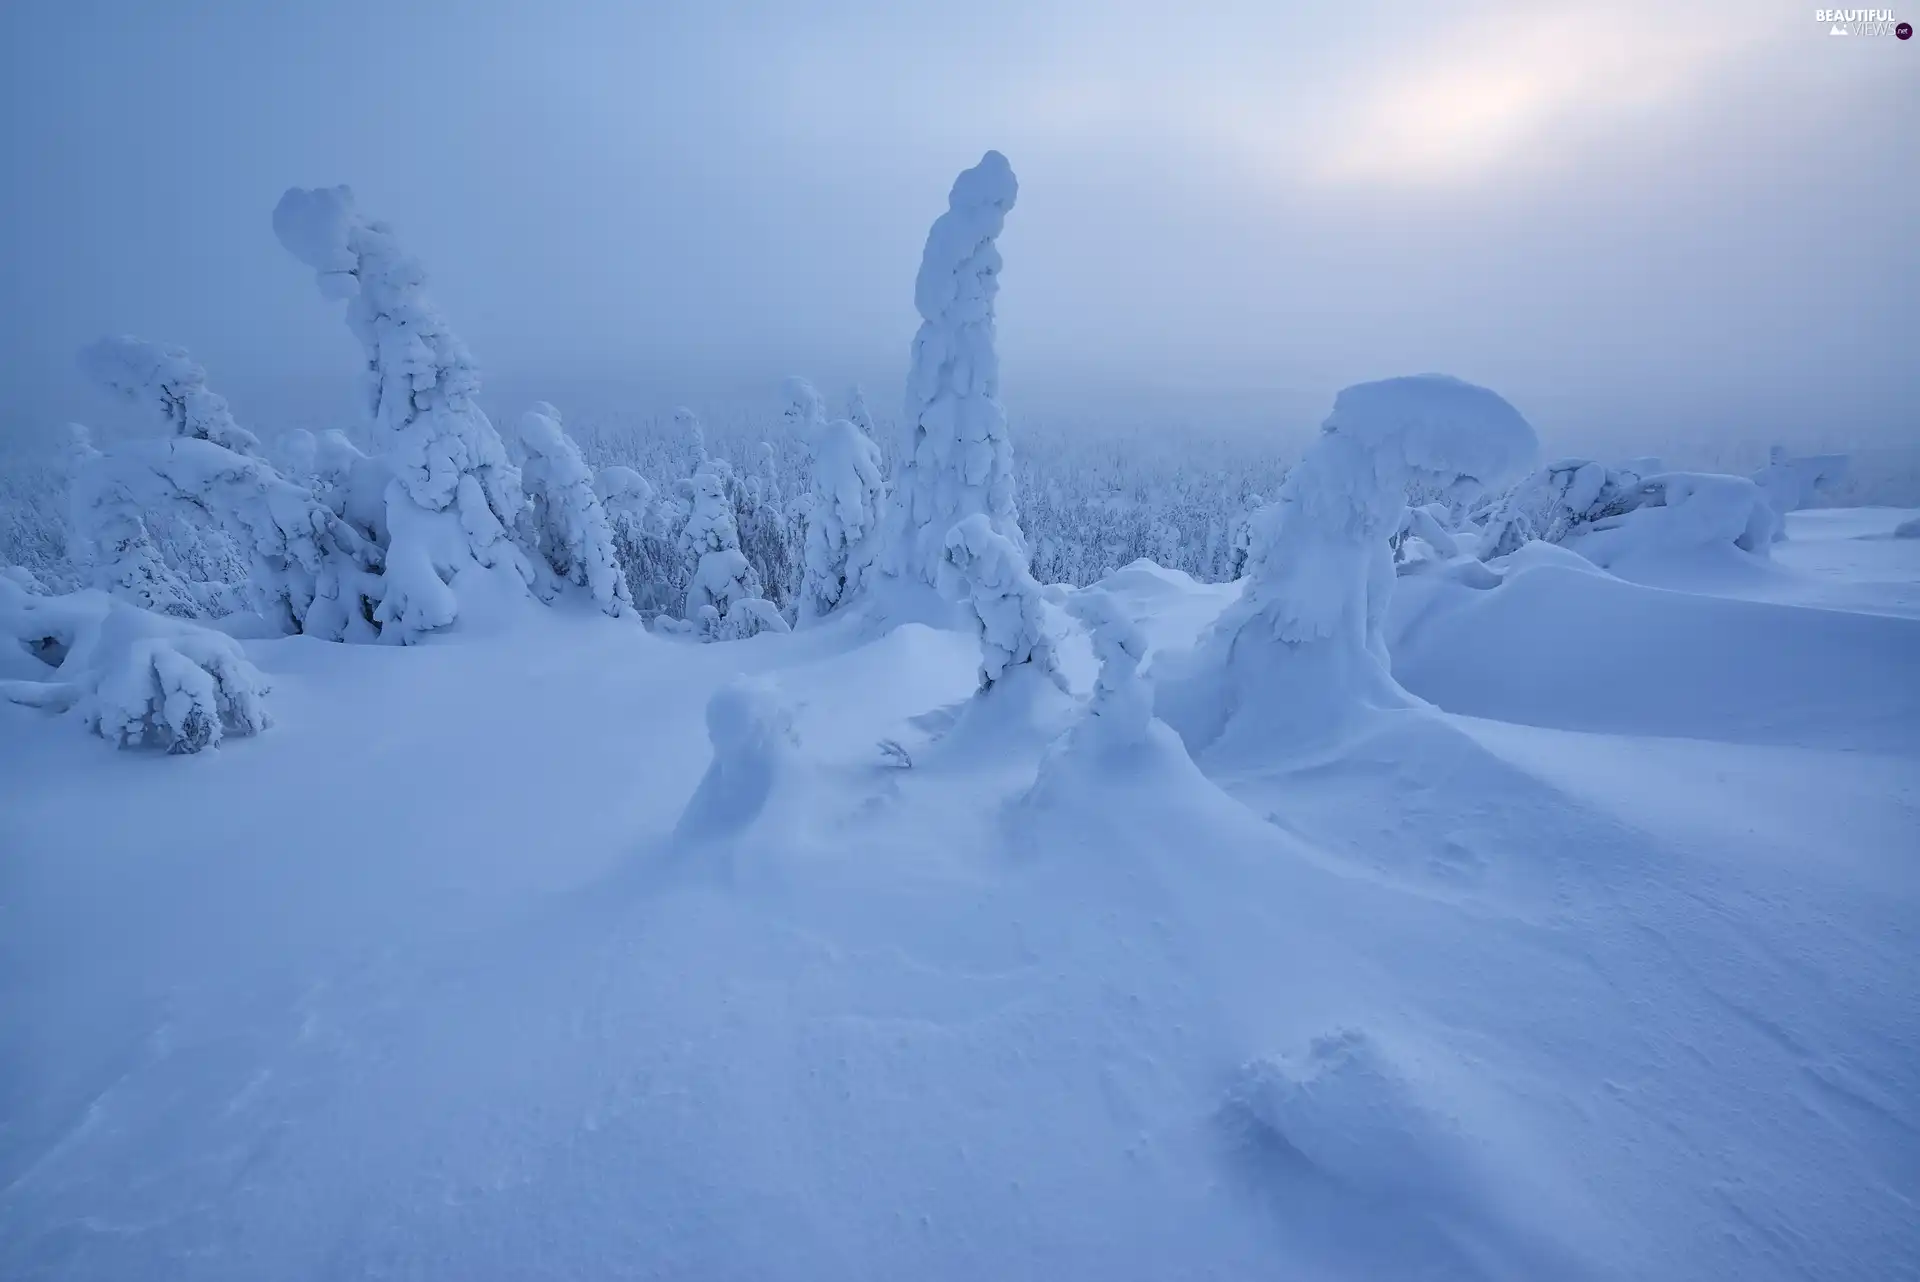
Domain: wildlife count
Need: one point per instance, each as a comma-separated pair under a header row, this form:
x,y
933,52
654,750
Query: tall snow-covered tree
x,y
454,495
723,599
568,528
167,380
955,459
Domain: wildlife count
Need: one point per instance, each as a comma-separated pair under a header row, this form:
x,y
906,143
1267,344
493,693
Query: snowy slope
x,y
1603,967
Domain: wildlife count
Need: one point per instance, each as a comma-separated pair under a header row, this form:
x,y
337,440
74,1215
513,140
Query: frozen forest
x,y
879,831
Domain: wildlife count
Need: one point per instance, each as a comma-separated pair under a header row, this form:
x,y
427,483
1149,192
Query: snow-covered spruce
x,y
1676,512
723,600
845,506
134,677
454,495
1557,502
567,527
983,570
108,539
167,380
1240,541
955,460
1301,654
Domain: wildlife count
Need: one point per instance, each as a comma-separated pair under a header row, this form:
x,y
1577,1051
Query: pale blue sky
x,y
1617,211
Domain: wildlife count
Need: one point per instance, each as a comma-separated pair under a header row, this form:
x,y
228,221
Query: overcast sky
x,y
1613,212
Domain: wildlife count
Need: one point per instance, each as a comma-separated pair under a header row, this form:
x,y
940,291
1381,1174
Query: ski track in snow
x,y
420,984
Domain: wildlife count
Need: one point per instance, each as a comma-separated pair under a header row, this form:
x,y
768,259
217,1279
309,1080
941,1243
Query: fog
x,y
1629,218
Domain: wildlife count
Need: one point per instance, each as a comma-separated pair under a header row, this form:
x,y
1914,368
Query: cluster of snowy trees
x,y
443,517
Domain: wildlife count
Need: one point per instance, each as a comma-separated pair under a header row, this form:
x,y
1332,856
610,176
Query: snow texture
x,y
1296,663
454,495
955,459
131,676
984,571
568,528
167,380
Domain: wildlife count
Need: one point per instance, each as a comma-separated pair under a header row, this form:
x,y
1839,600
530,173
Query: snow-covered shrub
x,y
1423,535
109,538
983,570
845,507
454,495
1792,483
132,676
1303,651
1679,511
1122,703
1556,502
167,380
566,526
955,459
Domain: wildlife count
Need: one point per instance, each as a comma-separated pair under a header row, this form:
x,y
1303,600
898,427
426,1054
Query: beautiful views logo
x,y
1862,22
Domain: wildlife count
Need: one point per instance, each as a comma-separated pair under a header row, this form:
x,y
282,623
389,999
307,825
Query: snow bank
x,y
1793,483
1672,514
750,728
454,495
955,459
166,379
133,677
1301,654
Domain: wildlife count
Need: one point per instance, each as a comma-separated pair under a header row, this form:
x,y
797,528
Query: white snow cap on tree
x,y
569,527
845,508
982,569
166,379
454,495
1302,651
955,459
133,677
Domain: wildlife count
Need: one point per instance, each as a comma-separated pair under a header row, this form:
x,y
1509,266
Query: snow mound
x,y
1561,644
133,677
750,727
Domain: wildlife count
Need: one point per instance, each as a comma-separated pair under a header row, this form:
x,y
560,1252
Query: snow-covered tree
x,y
1792,483
645,531
723,599
1240,543
108,536
567,527
955,459
1122,701
1557,501
454,496
131,676
845,507
982,569
1303,651
167,380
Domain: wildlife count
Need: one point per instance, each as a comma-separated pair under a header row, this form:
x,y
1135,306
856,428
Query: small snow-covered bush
x,y
955,460
566,526
983,570
134,677
1677,511
1556,502
1122,703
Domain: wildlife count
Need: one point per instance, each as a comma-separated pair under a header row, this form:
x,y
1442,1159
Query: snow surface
x,y
573,951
